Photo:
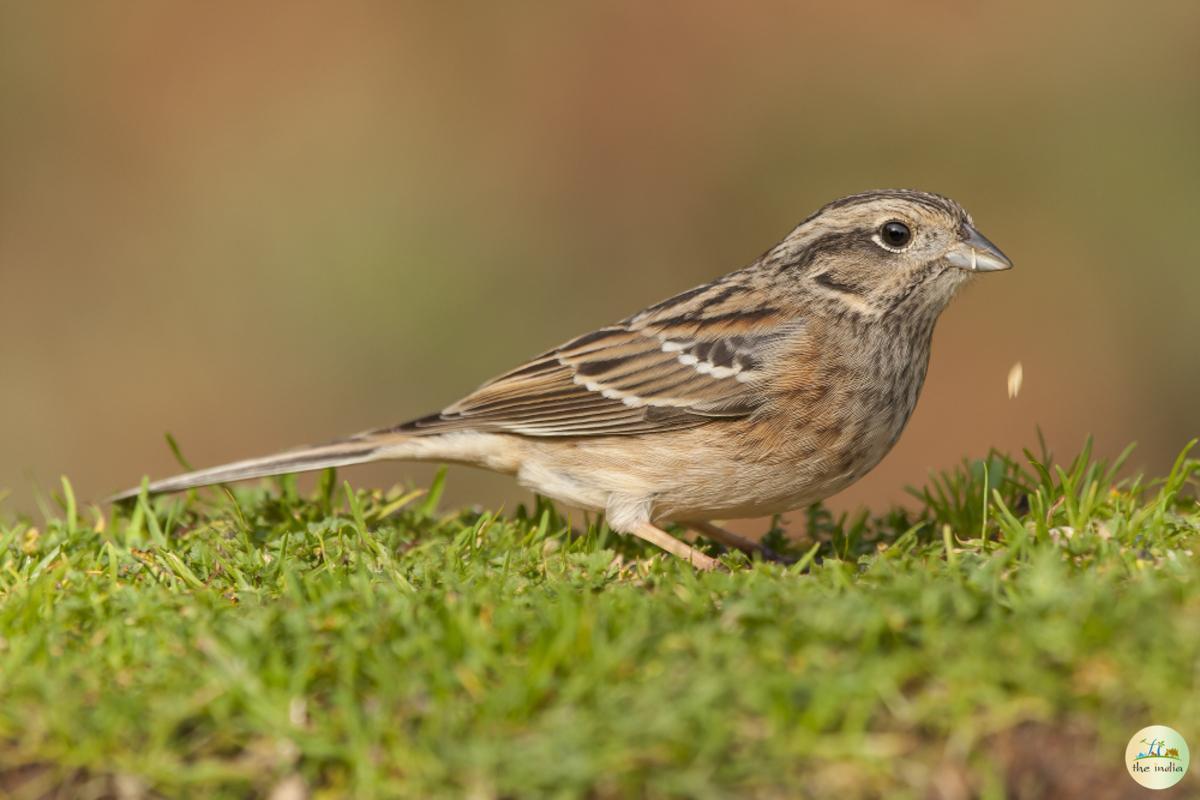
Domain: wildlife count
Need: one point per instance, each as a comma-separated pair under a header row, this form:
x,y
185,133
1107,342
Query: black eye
x,y
895,234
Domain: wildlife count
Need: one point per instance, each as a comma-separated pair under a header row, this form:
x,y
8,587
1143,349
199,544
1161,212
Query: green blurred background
x,y
258,225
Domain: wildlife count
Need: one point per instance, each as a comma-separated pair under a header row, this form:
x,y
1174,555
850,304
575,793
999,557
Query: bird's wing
x,y
697,357
687,361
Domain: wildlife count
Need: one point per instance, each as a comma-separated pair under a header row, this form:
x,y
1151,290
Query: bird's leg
x,y
737,541
664,540
722,536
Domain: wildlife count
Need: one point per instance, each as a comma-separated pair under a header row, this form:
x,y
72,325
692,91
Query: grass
x,y
1005,638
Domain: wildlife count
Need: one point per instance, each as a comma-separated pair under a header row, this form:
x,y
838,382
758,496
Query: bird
x,y
765,390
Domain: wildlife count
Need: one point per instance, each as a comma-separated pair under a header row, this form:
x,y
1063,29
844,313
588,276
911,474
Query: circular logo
x,y
1157,757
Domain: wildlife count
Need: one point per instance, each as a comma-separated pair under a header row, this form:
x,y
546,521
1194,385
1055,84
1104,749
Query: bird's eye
x,y
895,234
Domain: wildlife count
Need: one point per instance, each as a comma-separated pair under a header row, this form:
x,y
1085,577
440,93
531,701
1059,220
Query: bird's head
x,y
887,251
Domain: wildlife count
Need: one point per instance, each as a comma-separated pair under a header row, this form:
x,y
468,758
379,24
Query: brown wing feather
x,y
682,363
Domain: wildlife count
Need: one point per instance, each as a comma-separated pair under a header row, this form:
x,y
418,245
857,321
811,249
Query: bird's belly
x,y
710,472
758,492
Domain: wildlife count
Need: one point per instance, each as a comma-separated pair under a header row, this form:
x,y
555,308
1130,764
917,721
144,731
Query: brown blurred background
x,y
257,225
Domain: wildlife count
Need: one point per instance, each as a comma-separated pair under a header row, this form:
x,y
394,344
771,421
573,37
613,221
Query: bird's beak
x,y
976,254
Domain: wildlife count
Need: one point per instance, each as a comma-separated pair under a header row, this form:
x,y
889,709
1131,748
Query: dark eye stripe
x,y
827,244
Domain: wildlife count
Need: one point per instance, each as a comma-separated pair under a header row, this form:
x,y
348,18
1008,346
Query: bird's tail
x,y
355,450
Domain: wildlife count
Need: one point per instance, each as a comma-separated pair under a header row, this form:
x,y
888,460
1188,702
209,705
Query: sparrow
x,y
767,389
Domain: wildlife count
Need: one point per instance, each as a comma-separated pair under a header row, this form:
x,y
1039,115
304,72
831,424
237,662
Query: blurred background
x,y
258,225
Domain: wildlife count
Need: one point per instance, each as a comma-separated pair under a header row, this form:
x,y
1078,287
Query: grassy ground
x,y
1005,639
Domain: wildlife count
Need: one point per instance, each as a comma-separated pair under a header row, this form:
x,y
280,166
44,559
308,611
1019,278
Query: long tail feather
x,y
303,459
